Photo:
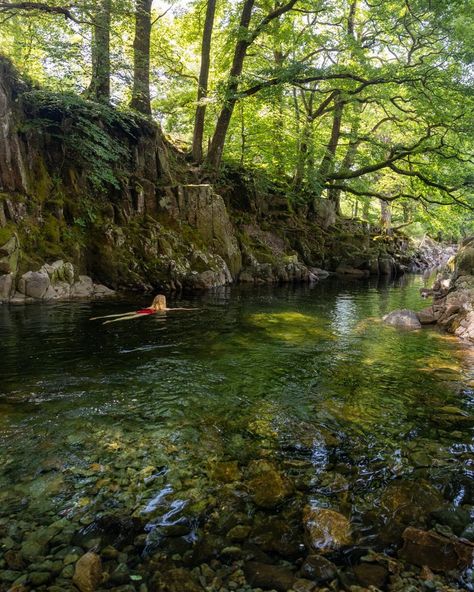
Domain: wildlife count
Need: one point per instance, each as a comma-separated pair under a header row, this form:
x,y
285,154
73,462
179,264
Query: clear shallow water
x,y
161,418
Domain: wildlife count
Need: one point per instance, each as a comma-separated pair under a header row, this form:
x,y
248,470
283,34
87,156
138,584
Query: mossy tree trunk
x,y
99,88
141,58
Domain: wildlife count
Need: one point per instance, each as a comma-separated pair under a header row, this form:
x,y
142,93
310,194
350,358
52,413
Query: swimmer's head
x,y
159,302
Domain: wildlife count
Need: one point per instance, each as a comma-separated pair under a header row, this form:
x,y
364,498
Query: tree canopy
x,y
368,103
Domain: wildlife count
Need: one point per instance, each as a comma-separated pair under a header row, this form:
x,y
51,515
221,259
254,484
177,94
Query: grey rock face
x,y
34,284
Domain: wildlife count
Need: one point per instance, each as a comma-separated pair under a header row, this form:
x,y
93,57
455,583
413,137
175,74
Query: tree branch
x,y
41,7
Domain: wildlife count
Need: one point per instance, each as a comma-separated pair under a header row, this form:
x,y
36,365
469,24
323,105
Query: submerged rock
x,y
175,580
226,471
428,316
326,530
438,552
371,574
88,572
403,319
404,503
267,486
318,568
276,577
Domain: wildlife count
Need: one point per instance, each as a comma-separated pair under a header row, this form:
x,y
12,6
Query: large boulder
x,y
403,319
34,284
428,316
59,272
267,486
438,552
326,530
207,271
83,288
88,572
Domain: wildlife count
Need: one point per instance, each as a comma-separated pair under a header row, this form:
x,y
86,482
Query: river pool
x,y
193,443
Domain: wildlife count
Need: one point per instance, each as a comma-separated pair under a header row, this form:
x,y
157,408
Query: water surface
x,y
161,418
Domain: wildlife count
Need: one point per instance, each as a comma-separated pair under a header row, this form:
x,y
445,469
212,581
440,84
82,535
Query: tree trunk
x,y
218,139
278,119
385,215
243,136
141,58
302,158
327,164
203,81
99,88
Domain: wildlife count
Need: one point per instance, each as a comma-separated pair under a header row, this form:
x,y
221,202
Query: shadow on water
x,y
213,429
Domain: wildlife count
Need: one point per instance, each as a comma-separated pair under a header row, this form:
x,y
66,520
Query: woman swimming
x,y
158,305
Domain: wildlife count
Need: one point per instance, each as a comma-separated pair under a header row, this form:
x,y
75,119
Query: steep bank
x,y
106,192
453,295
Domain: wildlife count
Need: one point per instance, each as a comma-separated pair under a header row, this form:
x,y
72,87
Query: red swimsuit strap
x,y
146,311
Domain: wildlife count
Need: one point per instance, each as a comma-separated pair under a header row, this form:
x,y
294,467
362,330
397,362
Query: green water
x,y
140,419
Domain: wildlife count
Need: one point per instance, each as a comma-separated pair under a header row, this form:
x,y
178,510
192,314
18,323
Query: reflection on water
x,y
168,421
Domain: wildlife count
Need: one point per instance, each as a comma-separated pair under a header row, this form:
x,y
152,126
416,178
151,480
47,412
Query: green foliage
x,y
401,71
95,135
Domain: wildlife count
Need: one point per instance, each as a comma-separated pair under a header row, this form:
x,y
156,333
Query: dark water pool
x,y
202,437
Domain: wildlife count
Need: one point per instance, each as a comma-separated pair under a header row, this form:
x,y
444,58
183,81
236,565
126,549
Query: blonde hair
x,y
159,302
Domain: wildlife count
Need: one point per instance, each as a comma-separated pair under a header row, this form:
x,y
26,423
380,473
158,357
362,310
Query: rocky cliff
x,y
86,185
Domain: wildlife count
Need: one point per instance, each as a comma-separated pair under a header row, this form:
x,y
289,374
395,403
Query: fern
x,y
95,136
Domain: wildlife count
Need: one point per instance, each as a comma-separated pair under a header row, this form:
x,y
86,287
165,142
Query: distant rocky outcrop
x,y
453,295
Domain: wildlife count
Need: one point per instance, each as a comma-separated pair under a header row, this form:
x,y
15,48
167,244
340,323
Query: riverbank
x,y
106,192
453,298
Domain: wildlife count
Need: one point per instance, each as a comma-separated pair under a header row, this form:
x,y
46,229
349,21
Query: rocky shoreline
x,y
453,298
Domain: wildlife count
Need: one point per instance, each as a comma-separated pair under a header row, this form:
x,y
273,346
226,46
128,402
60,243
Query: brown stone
x,y
18,588
268,487
227,472
261,575
437,552
406,502
175,580
371,574
88,572
318,568
326,530
426,573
